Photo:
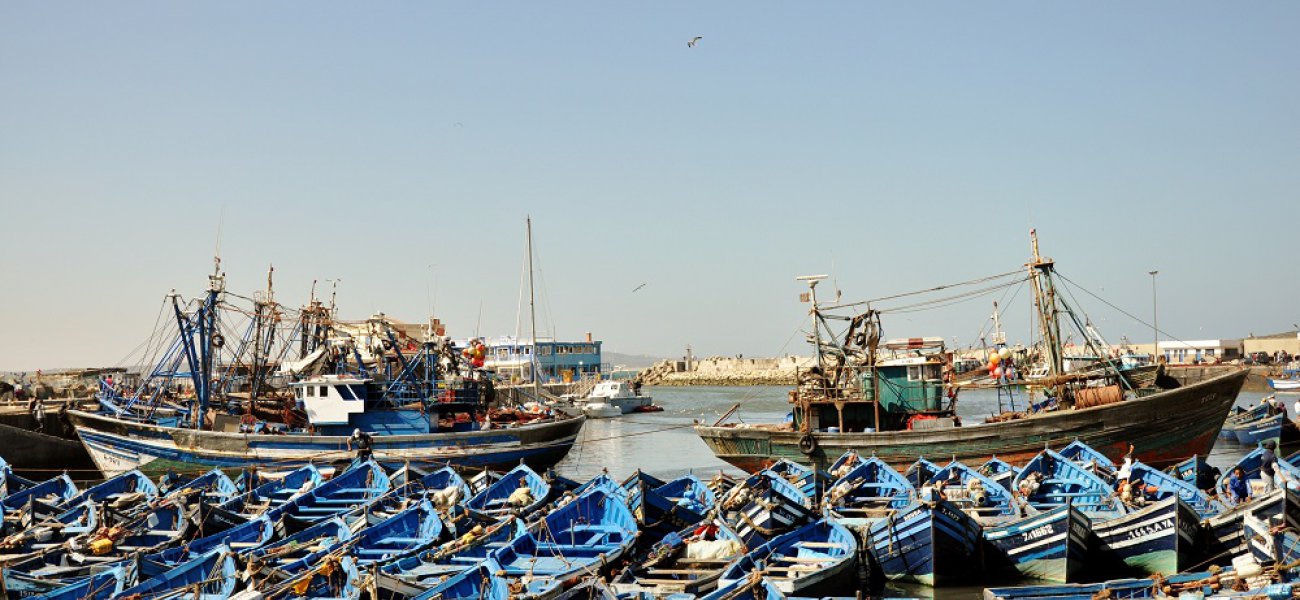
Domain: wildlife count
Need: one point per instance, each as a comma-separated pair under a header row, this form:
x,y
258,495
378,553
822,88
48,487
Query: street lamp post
x,y
1155,318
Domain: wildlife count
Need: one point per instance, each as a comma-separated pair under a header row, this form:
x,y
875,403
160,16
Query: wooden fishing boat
x,y
213,487
1090,459
677,504
815,560
56,568
689,561
100,586
634,485
764,506
398,536
1266,428
349,491
931,543
1197,472
335,578
1159,538
410,575
1000,471
268,496
123,491
871,489
1050,480
579,539
239,539
1199,584
1154,484
893,400
211,576
417,400
920,472
520,491
1239,416
1222,534
444,487
40,533
54,492
1287,473
293,553
976,494
809,481
1051,544
479,582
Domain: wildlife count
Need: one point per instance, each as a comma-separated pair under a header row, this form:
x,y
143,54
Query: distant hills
x,y
631,361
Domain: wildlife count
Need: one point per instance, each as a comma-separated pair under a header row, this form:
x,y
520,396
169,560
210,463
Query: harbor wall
x,y
720,370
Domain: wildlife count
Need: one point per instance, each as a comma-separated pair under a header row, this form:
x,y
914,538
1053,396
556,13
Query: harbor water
x,y
663,444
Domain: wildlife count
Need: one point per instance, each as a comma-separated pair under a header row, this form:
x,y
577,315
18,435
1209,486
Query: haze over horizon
x,y
399,148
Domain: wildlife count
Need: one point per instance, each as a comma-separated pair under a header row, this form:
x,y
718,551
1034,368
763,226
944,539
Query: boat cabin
x,y
613,389
909,379
337,404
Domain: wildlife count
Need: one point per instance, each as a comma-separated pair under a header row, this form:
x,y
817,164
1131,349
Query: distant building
x,y
512,358
1200,351
1271,344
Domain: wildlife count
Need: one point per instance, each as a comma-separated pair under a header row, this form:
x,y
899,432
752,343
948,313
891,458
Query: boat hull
x,y
117,446
933,546
1165,428
1052,546
1159,539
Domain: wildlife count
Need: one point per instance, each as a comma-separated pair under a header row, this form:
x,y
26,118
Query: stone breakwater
x,y
725,371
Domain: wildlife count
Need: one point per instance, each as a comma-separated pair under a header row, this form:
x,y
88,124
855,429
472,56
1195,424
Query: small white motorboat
x,y
597,409
619,394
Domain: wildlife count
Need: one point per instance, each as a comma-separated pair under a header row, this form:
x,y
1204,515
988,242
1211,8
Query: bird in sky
x,y
694,40
637,288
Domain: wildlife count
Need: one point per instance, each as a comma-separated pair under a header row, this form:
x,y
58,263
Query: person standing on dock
x,y
363,443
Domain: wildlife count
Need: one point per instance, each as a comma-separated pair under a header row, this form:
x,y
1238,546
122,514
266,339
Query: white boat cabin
x,y
331,399
613,389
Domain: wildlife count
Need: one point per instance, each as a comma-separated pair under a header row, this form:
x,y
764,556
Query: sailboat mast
x,y
1040,272
532,312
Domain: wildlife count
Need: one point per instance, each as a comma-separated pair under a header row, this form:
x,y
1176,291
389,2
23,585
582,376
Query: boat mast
x,y
1040,273
532,312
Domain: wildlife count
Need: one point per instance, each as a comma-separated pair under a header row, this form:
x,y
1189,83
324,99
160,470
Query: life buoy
x,y
807,443
218,341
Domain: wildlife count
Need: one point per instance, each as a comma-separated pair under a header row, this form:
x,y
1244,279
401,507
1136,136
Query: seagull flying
x,y
637,288
694,40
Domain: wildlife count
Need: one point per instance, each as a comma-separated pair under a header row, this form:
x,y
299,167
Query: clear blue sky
x,y
897,145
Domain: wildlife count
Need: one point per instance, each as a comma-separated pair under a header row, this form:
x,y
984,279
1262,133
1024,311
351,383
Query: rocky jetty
x,y
719,370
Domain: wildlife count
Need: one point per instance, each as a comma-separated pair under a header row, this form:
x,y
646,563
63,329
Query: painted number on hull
x,y
1151,529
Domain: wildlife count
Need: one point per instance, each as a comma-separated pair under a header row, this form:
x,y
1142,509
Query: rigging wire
x,y
924,291
1122,311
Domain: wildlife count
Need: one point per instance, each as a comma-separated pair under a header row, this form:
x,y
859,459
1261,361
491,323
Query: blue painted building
x,y
512,358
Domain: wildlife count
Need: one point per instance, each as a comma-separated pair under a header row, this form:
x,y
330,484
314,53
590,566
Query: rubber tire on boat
x,y
218,340
807,443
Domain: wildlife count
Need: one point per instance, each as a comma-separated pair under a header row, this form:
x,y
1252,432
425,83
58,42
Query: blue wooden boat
x,y
335,578
637,482
975,493
400,535
100,586
934,544
411,574
444,487
295,552
269,495
1151,484
807,479
213,487
578,539
1089,458
1051,545
211,575
1250,465
679,503
870,489
1237,416
163,526
52,569
55,491
1198,472
349,491
494,502
1159,538
689,561
842,465
479,582
123,492
49,532
1000,471
1266,428
1050,480
1222,536
815,560
239,539
920,472
764,506
760,589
